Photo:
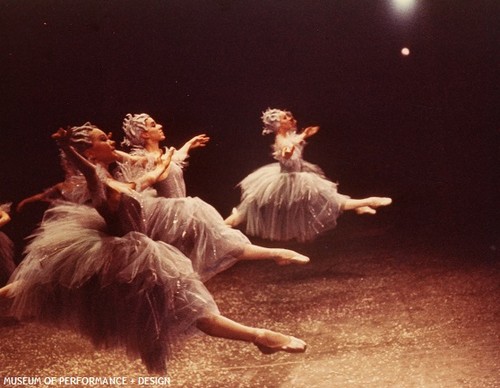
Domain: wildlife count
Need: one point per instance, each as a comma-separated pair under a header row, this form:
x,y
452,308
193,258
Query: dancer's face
x,y
103,148
154,131
287,122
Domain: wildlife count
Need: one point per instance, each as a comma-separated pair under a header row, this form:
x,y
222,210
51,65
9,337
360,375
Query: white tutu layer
x,y
197,230
279,205
125,291
7,264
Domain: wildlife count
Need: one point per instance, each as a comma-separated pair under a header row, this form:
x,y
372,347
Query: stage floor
x,y
377,307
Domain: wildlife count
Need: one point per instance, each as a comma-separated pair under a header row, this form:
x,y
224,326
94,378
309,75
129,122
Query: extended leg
x,y
279,255
366,205
266,340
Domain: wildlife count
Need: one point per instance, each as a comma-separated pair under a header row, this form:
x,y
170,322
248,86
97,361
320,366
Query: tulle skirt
x,y
7,264
196,229
281,206
127,291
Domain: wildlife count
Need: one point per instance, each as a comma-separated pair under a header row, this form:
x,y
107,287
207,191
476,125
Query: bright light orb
x,y
405,51
403,5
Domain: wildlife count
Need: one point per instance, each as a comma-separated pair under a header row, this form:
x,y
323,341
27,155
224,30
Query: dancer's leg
x,y
366,205
279,255
266,340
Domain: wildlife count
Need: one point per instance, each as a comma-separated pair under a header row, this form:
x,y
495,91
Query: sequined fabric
x,y
110,282
290,199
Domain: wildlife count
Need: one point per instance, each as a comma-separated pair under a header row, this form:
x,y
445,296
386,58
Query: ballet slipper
x,y
286,257
365,210
269,345
380,201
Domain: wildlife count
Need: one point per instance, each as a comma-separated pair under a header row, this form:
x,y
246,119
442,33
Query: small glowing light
x,y
405,51
403,5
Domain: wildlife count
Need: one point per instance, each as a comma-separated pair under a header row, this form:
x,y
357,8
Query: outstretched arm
x,y
45,196
195,142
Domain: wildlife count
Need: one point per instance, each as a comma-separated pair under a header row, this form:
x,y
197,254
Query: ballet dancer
x,y
143,135
292,198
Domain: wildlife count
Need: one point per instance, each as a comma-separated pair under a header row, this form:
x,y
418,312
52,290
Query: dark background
x,y
422,129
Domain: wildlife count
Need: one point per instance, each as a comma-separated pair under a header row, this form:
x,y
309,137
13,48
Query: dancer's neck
x,y
153,148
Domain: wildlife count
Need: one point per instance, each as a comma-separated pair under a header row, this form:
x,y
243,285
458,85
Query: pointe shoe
x,y
294,345
365,210
291,258
380,201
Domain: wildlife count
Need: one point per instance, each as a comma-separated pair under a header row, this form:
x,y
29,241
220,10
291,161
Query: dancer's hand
x,y
198,141
62,136
287,152
309,131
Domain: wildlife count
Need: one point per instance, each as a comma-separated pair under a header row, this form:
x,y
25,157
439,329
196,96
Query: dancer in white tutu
x,y
189,223
143,136
94,270
7,264
292,199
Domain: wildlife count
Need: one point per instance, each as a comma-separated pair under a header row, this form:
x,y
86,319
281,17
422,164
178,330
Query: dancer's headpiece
x,y
133,127
80,136
271,119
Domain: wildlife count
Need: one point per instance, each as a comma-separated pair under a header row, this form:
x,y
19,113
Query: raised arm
x,y
288,148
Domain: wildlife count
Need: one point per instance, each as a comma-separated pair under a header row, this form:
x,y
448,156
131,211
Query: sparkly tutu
x,y
127,291
173,186
283,205
196,229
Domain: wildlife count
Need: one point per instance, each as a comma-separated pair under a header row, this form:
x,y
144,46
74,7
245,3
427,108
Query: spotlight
x,y
403,5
